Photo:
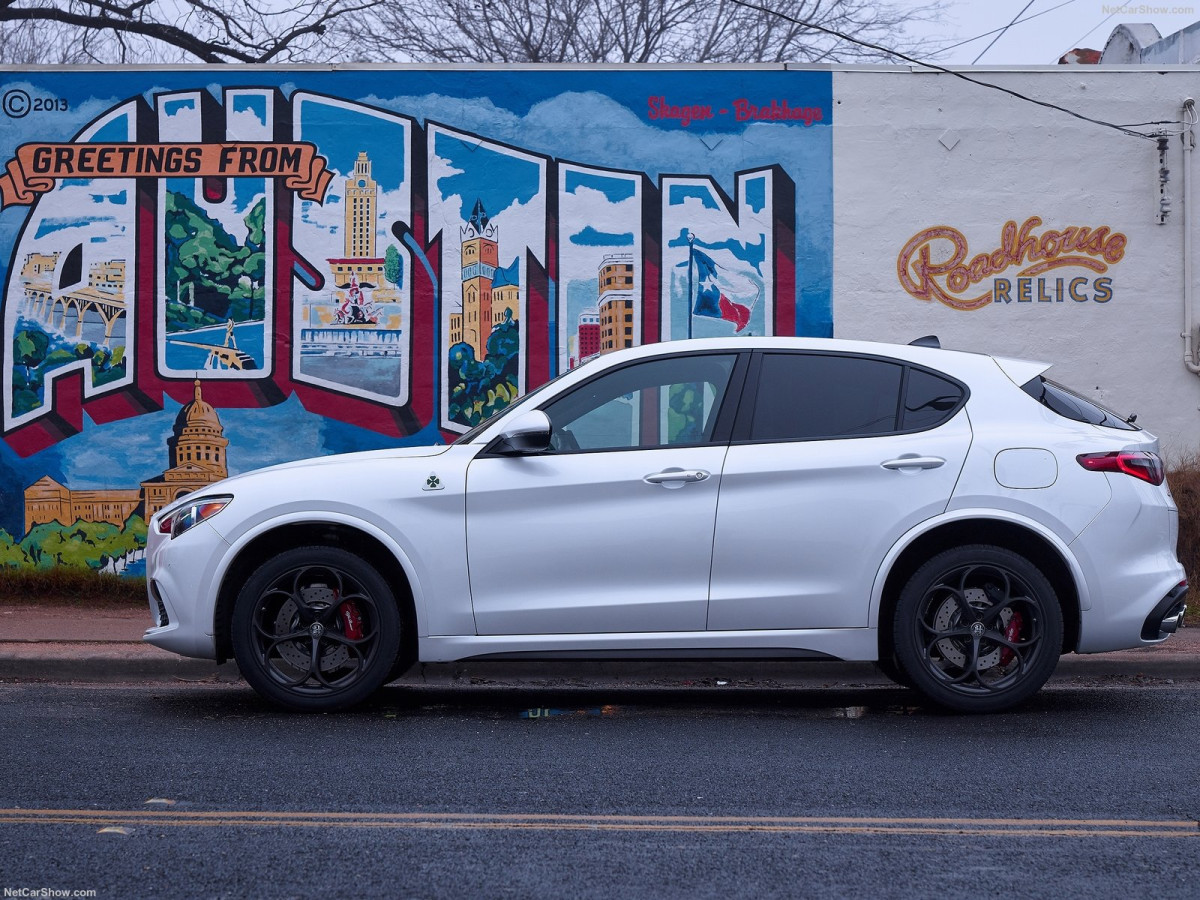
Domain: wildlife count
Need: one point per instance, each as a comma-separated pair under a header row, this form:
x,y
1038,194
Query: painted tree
x,y
635,31
10,553
29,349
171,31
393,265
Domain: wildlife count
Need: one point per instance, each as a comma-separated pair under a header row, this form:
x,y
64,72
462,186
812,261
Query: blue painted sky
x,y
49,226
590,237
615,189
342,133
252,103
498,179
678,194
754,254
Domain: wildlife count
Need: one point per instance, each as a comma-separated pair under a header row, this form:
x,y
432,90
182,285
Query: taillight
x,y
165,523
1139,463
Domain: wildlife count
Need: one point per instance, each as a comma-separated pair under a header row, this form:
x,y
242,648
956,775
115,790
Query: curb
x,y
114,662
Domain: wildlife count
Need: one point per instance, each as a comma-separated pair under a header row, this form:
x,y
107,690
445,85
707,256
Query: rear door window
x,y
824,396
804,396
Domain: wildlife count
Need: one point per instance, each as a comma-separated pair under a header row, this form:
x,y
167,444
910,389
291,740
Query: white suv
x,y
953,516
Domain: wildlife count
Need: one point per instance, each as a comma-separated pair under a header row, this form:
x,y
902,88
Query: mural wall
x,y
210,270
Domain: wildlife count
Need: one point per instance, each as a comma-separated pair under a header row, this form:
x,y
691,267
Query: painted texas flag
x,y
722,293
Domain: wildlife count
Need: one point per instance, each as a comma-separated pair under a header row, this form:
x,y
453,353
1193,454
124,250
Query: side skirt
x,y
849,644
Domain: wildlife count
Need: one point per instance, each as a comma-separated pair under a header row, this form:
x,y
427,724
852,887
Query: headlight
x,y
184,517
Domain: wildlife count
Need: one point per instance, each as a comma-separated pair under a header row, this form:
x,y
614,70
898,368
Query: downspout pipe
x,y
1189,145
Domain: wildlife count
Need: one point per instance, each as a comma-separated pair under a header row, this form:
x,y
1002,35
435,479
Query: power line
x,y
935,67
977,37
1001,34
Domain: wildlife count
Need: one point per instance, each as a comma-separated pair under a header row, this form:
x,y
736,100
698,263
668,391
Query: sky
x,y
1058,27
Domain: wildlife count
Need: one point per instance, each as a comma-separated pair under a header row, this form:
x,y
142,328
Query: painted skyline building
x,y
361,317
360,262
362,200
490,293
616,302
585,343
197,457
37,275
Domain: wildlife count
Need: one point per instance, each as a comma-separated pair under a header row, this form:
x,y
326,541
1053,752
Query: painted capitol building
x,y
197,454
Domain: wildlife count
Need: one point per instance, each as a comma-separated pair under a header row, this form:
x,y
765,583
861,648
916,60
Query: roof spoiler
x,y
929,340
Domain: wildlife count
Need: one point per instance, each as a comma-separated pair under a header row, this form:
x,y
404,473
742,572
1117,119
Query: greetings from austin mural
x,y
206,271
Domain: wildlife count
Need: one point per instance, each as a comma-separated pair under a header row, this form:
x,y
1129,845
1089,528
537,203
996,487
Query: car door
x,y
833,458
611,529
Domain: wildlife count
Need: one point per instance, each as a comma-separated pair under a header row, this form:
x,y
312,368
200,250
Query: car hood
x,y
337,459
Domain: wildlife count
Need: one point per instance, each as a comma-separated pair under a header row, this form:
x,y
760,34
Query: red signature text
x,y
778,111
687,114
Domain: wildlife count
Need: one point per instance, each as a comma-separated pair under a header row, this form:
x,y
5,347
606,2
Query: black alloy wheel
x,y
978,629
316,629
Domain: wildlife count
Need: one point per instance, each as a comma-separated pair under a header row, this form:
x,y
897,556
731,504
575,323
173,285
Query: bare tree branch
x,y
580,31
641,31
216,31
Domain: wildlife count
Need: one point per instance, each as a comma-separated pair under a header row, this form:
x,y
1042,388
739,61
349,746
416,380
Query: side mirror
x,y
527,433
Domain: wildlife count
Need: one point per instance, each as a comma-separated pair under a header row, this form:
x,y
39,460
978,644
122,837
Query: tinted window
x,y
929,400
657,403
804,396
1070,405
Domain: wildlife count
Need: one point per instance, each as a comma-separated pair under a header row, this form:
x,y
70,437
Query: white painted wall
x,y
893,179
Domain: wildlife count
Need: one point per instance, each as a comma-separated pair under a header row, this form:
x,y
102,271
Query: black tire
x,y
978,629
316,629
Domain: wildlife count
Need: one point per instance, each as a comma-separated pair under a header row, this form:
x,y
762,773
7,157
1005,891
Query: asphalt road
x,y
201,790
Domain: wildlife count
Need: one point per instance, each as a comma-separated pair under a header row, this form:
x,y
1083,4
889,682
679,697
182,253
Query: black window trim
x,y
722,429
745,414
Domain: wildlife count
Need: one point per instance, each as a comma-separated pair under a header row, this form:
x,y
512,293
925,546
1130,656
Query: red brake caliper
x,y
351,620
1011,633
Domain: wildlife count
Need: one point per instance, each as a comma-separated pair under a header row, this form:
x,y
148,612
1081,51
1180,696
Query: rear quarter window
x,y
929,400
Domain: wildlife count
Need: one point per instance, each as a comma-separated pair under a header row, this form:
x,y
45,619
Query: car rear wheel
x,y
978,629
316,629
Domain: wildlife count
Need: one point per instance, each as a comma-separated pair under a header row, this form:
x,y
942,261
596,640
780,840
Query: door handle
x,y
676,478
914,462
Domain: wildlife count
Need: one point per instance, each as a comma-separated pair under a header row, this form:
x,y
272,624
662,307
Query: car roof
x,y
1018,370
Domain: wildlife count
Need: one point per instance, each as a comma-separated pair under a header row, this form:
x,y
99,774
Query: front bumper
x,y
180,606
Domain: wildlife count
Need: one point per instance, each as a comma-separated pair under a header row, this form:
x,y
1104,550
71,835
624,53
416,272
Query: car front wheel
x,y
978,629
316,629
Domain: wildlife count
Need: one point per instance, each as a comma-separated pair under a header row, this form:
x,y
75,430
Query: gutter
x,y
1188,137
